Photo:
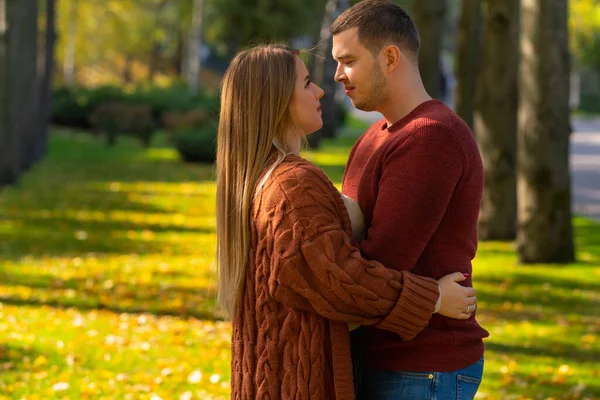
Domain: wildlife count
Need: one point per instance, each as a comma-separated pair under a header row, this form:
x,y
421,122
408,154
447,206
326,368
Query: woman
x,y
288,273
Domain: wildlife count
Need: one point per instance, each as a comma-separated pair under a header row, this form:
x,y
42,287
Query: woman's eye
x,y
308,83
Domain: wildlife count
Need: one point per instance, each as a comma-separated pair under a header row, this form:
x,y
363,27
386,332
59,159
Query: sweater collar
x,y
408,117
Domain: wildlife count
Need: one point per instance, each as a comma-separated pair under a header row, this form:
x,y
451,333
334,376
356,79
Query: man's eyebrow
x,y
307,78
343,57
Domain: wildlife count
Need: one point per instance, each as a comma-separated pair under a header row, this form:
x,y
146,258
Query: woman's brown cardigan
x,y
304,283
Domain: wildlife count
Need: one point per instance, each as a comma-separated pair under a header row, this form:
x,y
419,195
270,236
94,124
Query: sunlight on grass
x,y
107,286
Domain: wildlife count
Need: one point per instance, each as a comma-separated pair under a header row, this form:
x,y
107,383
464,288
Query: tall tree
x,y
429,17
46,81
545,232
467,60
194,42
8,165
495,118
18,87
23,17
323,73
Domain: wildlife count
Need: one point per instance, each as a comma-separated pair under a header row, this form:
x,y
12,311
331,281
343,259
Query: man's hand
x,y
457,301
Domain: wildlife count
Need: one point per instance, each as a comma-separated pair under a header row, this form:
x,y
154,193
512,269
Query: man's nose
x,y
339,74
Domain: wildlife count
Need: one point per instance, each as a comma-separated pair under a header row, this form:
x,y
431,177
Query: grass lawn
x,y
107,286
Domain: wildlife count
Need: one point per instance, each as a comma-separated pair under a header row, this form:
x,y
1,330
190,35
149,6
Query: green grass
x,y
107,286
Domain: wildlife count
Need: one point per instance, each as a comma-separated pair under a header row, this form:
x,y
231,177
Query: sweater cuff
x,y
414,308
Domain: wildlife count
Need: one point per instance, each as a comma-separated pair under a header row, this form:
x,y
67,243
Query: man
x,y
418,177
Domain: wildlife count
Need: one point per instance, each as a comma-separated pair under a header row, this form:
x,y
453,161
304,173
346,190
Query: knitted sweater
x,y
419,184
304,282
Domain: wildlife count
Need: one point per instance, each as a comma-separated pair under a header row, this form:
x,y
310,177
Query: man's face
x,y
359,71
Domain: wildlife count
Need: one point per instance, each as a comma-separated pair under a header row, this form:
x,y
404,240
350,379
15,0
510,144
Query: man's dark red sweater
x,y
419,184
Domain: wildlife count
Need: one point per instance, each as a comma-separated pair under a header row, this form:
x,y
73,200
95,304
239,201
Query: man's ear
x,y
391,57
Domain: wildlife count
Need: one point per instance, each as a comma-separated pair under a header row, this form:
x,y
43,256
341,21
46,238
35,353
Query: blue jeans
x,y
393,385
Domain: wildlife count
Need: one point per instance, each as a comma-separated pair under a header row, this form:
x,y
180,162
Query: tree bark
x,y
154,56
467,60
194,43
429,17
495,118
323,73
69,60
8,165
41,143
545,232
23,59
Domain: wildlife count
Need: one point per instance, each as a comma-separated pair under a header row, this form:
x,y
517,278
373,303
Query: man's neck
x,y
399,104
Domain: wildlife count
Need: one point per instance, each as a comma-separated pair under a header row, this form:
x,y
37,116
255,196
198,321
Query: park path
x,y
585,163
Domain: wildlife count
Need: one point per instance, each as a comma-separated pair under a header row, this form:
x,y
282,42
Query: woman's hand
x,y
457,301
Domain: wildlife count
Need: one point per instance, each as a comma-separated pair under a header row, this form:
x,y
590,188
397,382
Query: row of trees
x,y
512,67
513,71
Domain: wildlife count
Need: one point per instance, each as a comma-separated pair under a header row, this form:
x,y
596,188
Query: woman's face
x,y
305,105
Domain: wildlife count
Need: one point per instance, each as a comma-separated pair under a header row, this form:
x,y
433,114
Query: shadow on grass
x,y
120,297
69,224
560,351
205,315
540,296
13,357
21,243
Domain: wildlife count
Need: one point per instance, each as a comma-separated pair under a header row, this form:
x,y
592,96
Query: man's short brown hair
x,y
380,23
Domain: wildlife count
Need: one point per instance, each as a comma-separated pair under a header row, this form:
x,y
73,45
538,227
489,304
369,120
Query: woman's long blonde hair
x,y
255,94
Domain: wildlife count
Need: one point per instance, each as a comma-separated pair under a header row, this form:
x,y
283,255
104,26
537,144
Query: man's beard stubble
x,y
378,92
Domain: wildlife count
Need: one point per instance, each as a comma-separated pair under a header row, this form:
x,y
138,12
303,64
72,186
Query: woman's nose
x,y
320,92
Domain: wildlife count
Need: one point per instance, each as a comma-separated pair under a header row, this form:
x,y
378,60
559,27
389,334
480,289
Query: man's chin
x,y
363,107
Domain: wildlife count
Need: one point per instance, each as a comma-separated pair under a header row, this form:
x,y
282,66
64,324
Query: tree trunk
x,y
545,232
8,165
153,61
323,73
69,61
46,81
469,45
194,43
23,75
127,74
429,17
154,56
495,118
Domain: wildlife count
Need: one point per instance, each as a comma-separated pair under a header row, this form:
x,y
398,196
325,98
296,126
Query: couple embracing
x,y
362,294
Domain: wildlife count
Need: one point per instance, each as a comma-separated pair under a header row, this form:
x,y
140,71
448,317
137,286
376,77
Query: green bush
x,y
116,118
74,107
342,114
590,103
197,146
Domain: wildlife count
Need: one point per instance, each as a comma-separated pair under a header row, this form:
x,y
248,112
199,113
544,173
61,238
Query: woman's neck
x,y
292,143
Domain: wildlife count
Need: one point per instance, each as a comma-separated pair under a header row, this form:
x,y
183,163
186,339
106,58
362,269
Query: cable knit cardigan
x,y
304,283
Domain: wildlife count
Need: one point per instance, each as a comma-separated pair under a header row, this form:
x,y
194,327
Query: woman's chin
x,y
315,129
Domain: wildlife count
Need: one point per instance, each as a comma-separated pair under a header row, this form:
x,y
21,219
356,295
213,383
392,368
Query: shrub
x,y
199,145
175,121
116,118
73,107
342,114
